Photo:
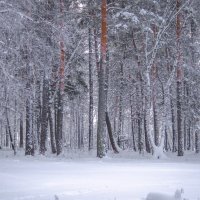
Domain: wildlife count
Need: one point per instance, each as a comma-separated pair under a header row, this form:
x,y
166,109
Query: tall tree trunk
x,y
59,116
15,128
21,132
140,138
7,136
10,134
120,103
147,144
38,111
44,117
154,76
140,96
197,141
1,134
179,82
90,92
29,148
59,124
102,103
110,133
189,136
132,124
96,51
51,129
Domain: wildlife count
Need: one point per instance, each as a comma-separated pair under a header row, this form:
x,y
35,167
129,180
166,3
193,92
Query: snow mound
x,y
160,196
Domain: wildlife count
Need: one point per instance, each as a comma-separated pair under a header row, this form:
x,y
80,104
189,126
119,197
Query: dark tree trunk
x,y
132,125
60,92
44,117
52,136
189,136
147,143
10,134
197,141
7,136
101,98
96,51
154,76
140,138
120,133
90,92
156,133
179,82
38,111
166,140
29,148
101,115
59,124
21,132
174,136
110,133
179,121
185,133
78,124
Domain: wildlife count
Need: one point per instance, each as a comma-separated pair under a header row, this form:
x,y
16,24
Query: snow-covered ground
x,y
116,178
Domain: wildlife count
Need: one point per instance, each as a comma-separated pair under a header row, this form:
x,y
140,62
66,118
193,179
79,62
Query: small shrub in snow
x,y
160,196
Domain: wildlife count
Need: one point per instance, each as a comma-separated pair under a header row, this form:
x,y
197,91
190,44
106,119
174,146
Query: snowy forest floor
x,y
80,176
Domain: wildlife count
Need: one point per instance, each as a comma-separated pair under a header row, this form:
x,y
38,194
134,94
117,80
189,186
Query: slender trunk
x,y
154,76
90,93
38,111
7,136
101,115
166,140
132,124
139,105
78,124
120,133
147,144
29,150
1,135
60,95
110,133
82,129
44,117
59,124
102,104
140,95
140,138
10,134
189,136
52,136
179,82
15,128
174,136
96,51
197,141
21,132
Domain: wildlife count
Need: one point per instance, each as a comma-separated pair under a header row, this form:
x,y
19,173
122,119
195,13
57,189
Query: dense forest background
x,y
100,75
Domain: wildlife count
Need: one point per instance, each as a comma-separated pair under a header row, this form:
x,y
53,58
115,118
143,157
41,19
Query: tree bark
x,y
179,83
102,103
21,132
197,141
44,117
90,92
52,136
110,133
29,150
60,95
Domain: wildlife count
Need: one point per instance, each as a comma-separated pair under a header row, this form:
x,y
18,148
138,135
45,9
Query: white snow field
x,y
41,178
